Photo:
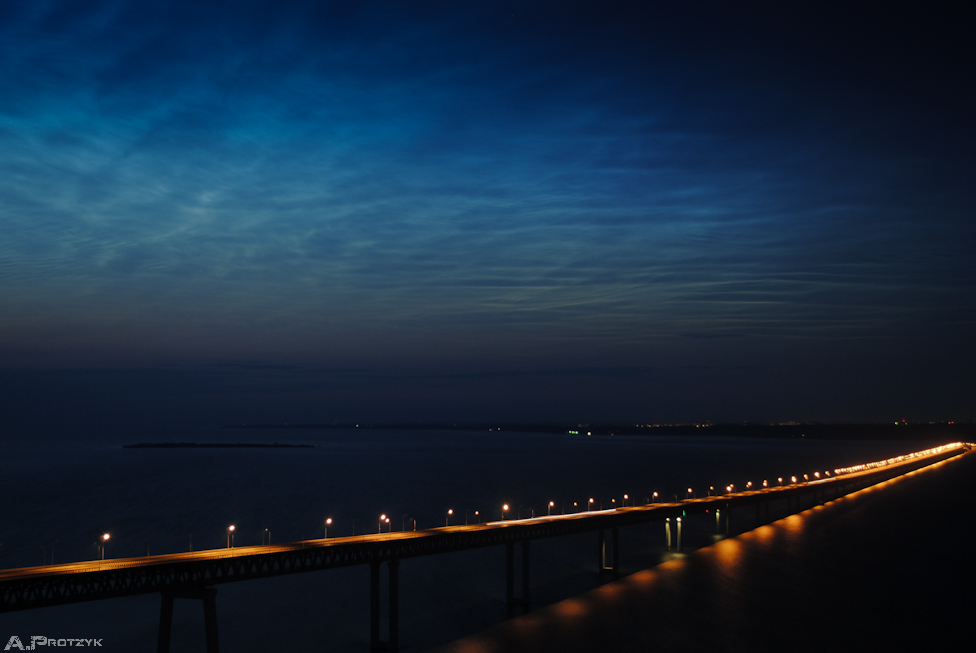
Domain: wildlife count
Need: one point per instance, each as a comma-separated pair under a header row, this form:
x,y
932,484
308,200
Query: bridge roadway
x,y
192,575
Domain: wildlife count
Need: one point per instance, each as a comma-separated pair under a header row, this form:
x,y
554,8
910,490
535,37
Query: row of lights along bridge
x,y
384,520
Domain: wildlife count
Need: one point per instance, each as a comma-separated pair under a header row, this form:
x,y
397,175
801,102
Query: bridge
x,y
194,575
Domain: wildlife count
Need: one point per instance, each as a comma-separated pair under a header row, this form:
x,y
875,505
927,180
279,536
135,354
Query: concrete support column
x,y
165,622
510,599
510,576
394,566
209,597
615,568
393,613
602,551
210,620
374,605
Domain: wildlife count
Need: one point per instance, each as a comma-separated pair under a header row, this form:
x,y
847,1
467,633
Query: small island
x,y
214,445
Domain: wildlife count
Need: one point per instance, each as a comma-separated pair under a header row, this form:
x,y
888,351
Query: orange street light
x,y
447,520
504,510
551,504
230,535
328,522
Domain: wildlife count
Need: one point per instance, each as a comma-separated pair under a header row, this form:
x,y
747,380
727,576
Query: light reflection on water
x,y
834,577
160,496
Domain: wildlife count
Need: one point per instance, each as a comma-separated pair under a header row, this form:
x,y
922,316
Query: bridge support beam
x,y
393,613
510,599
209,597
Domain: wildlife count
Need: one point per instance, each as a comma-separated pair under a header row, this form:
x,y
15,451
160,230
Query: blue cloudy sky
x,y
486,210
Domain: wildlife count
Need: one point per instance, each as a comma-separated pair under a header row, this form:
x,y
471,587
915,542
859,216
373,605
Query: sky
x,y
372,211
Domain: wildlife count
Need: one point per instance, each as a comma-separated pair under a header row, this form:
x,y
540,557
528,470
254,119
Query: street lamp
x,y
654,496
551,504
268,532
379,529
105,538
230,535
626,497
504,510
328,522
447,519
589,504
690,493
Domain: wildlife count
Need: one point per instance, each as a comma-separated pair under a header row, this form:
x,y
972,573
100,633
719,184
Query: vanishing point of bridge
x,y
194,575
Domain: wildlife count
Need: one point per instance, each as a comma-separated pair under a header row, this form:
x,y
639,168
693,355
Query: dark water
x,y
885,569
65,493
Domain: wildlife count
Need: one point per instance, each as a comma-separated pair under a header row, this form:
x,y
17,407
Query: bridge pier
x,y
393,614
209,597
510,598
613,568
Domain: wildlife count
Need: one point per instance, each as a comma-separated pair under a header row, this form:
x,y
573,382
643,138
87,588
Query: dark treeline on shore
x,y
939,431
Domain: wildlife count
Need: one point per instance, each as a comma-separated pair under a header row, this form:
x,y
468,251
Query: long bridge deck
x,y
189,574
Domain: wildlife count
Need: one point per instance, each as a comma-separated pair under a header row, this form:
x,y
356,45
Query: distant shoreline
x,y
946,431
214,445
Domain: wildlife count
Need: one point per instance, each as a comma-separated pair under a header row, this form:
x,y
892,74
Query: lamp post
x,y
328,522
590,503
691,493
379,528
626,497
447,518
230,535
654,496
504,510
266,533
105,538
551,504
